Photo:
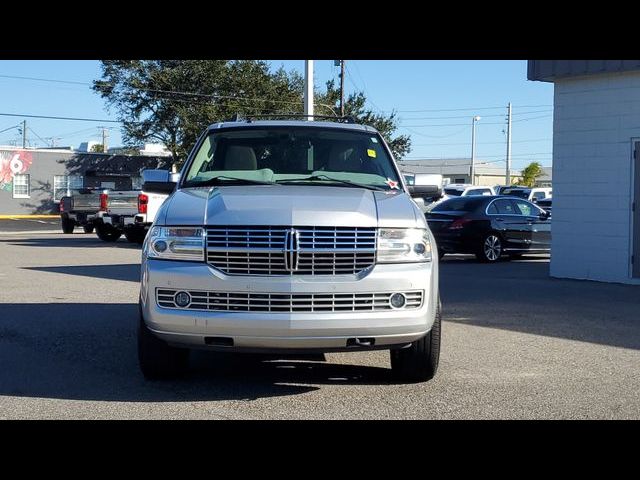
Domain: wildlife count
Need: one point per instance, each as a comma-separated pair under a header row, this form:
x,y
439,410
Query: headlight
x,y
397,245
175,243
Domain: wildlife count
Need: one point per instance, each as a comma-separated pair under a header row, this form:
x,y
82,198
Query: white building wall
x,y
595,119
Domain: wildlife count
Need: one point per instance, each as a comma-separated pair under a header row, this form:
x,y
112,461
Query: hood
x,y
289,205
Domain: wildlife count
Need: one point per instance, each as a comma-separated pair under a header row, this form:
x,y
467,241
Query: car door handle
x,y
499,219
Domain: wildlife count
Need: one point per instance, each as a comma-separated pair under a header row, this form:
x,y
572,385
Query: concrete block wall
x,y
595,119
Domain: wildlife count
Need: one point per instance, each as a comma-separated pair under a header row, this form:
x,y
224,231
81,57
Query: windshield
x,y
517,193
296,155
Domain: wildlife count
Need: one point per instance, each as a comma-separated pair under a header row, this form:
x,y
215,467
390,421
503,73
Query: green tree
x,y
328,103
98,148
170,101
529,174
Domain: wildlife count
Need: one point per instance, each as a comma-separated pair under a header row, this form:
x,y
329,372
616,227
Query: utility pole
x,y
508,173
24,134
342,88
308,89
473,149
104,140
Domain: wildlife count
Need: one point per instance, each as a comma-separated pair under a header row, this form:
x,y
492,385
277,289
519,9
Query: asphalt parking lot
x,y
26,225
516,345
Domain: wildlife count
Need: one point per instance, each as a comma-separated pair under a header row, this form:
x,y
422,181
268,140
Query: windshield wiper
x,y
331,179
221,179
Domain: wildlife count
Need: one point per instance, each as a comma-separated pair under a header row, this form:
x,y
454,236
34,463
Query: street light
x,y
473,148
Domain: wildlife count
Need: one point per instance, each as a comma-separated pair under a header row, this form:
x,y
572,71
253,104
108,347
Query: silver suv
x,y
289,237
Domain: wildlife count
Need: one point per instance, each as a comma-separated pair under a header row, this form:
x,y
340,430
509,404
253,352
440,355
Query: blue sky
x,y
435,101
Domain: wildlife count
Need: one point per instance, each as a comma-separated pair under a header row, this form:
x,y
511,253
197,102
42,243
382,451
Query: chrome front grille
x,y
286,302
264,250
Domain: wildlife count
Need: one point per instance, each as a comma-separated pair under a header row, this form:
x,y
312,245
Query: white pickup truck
x,y
130,213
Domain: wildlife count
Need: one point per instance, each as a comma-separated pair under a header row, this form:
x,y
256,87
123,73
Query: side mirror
x,y
545,215
158,181
426,185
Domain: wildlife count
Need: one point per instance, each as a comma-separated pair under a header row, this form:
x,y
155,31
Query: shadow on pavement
x,y
521,296
85,240
88,351
128,272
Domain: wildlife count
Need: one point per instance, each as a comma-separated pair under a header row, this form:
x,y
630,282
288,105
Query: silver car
x,y
289,237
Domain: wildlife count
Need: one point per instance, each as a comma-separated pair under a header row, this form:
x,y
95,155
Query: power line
x,y
42,139
236,98
532,118
155,90
364,85
467,116
16,77
537,154
58,118
484,123
10,128
433,136
71,134
470,108
479,143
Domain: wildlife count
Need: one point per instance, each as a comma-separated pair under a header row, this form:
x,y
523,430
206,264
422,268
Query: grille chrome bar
x,y
287,302
266,250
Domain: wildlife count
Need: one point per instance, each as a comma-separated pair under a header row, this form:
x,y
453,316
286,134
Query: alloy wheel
x,y
492,248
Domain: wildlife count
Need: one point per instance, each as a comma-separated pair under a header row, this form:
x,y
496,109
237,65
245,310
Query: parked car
x,y
428,190
130,213
530,194
79,208
490,227
499,188
289,237
464,190
545,204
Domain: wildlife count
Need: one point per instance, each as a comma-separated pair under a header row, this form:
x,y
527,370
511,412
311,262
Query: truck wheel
x,y
88,229
490,248
107,233
135,236
67,224
158,360
419,362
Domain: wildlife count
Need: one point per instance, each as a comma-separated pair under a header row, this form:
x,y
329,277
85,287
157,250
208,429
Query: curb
x,y
11,217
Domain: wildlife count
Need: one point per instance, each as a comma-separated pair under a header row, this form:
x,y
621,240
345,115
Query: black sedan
x,y
489,227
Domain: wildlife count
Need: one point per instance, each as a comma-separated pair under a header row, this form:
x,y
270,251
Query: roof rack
x,y
249,118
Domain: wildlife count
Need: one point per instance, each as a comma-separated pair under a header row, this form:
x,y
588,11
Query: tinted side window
x,y
526,208
505,207
493,209
455,204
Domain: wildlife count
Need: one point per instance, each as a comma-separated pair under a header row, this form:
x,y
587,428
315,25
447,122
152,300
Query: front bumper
x,y
291,331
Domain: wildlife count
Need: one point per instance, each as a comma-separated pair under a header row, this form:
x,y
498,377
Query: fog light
x,y
182,299
397,300
160,246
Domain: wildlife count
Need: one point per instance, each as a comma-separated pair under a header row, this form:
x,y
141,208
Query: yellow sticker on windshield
x,y
371,152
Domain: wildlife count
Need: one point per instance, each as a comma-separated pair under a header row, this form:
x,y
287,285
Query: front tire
x,y
107,233
67,224
419,362
490,249
157,360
